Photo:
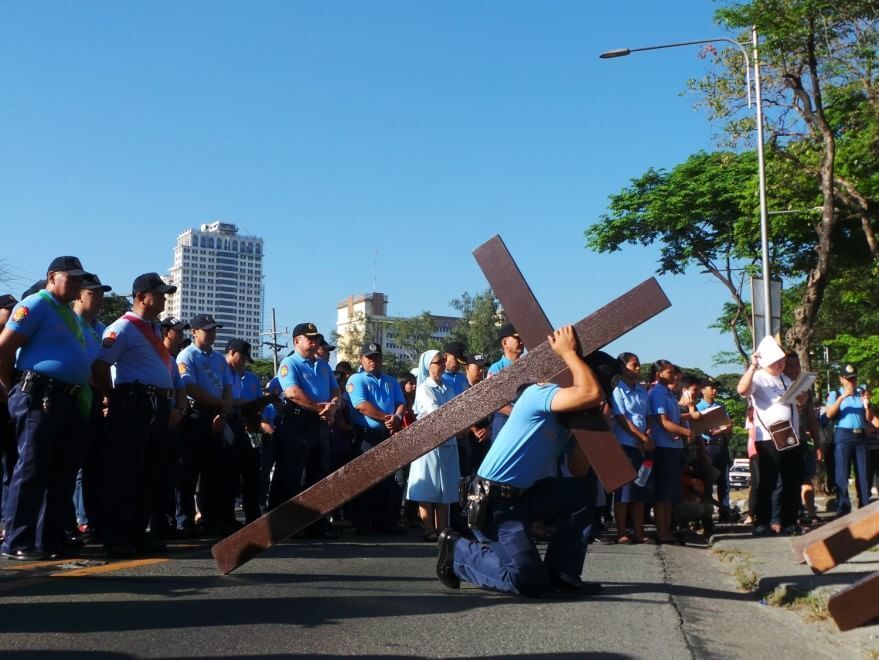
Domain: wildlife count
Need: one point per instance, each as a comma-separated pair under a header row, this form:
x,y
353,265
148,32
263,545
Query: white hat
x,y
769,351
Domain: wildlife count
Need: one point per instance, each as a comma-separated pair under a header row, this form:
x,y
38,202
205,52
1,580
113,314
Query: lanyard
x,y
66,315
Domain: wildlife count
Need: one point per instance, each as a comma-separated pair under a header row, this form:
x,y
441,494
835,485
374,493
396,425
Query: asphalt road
x,y
379,597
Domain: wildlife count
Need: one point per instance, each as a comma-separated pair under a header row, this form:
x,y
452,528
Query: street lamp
x,y
761,169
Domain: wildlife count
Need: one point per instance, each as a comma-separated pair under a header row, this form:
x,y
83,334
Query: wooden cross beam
x,y
601,447
539,364
839,540
856,605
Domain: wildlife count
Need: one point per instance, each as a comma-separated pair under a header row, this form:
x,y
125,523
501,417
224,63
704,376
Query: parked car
x,y
740,476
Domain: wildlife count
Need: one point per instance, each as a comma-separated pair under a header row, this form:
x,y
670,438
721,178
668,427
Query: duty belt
x,y
145,390
31,380
496,490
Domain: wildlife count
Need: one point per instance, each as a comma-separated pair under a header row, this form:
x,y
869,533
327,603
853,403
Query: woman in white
x,y
433,478
764,383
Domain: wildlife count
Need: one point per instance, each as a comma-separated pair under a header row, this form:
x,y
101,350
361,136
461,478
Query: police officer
x,y
45,404
324,348
245,425
172,334
304,443
453,377
512,347
478,437
146,398
377,411
518,483
206,435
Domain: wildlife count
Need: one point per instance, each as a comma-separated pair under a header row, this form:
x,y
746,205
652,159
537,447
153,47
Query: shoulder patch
x,y
283,371
350,387
20,314
181,368
109,340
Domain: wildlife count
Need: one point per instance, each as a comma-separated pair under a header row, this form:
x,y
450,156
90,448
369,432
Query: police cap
x,y
150,283
371,349
203,322
93,282
307,329
7,301
478,360
71,265
507,330
36,286
323,343
173,323
239,346
455,348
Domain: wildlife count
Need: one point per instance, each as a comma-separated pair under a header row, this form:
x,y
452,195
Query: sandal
x,y
625,539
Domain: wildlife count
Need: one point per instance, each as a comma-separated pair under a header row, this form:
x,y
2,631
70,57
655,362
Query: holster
x,y
473,498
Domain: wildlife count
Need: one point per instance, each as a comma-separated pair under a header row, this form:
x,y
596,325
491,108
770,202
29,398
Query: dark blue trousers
x,y
41,489
505,558
849,447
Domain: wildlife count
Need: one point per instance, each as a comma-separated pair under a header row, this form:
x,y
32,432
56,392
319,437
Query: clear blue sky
x,y
336,130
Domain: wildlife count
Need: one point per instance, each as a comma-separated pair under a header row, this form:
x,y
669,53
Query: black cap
x,y
92,281
36,286
478,360
71,265
173,323
203,322
240,346
455,348
848,371
507,330
307,329
371,348
7,301
323,343
151,283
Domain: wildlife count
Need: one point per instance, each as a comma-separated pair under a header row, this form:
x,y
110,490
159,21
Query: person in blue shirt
x,y
668,434
46,343
512,347
518,483
141,409
377,409
208,381
453,377
630,411
847,406
717,448
304,440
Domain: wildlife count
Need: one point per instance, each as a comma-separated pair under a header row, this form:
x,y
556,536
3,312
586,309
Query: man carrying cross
x,y
517,483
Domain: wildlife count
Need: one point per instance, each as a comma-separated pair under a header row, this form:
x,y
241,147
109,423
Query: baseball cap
x,y
173,323
33,288
455,348
322,342
478,360
848,371
71,265
307,329
92,281
7,301
370,348
507,330
203,322
151,283
240,346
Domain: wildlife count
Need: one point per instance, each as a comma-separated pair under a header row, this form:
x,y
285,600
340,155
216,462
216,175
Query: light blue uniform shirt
x,y
704,405
663,402
135,358
382,391
528,447
500,365
52,348
314,377
456,382
631,403
851,413
251,388
207,369
93,334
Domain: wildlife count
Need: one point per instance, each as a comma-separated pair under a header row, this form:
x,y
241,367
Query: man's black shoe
x,y
572,584
25,555
445,569
64,551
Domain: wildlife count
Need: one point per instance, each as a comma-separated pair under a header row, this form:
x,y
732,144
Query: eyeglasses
x,y
440,359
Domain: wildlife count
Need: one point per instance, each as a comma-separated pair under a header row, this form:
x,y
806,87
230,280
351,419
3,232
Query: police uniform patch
x,y
109,340
350,387
20,314
284,371
181,368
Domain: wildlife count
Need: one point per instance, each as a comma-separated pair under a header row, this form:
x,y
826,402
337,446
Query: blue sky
x,y
338,130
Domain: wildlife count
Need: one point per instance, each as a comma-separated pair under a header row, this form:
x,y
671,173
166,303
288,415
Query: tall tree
x,y
481,316
114,307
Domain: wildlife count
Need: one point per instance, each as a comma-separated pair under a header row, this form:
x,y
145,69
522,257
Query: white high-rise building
x,y
219,272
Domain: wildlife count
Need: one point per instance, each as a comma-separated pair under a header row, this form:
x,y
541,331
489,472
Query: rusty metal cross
x,y
540,363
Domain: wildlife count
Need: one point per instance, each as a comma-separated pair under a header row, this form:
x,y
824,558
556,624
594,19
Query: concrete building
x,y
366,315
218,271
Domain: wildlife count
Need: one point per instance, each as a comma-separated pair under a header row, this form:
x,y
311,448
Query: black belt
x,y
496,490
144,390
31,380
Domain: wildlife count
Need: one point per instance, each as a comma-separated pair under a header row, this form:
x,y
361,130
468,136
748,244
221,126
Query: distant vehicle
x,y
740,476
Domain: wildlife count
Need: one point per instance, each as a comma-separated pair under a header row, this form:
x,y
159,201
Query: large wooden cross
x,y
540,363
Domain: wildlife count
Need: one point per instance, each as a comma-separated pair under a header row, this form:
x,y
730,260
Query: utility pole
x,y
273,344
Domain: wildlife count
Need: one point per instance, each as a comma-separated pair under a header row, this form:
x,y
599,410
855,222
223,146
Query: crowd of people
x,y
132,434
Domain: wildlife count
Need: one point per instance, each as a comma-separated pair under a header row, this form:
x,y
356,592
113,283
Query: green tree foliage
x,y
413,336
481,316
114,307
264,368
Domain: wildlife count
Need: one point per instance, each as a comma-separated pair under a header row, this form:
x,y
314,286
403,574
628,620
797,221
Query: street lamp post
x,y
761,168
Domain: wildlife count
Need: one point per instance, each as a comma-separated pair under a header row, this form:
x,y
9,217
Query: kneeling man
x,y
520,481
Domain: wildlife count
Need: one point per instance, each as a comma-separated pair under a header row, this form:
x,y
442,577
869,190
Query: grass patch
x,y
743,571
810,604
